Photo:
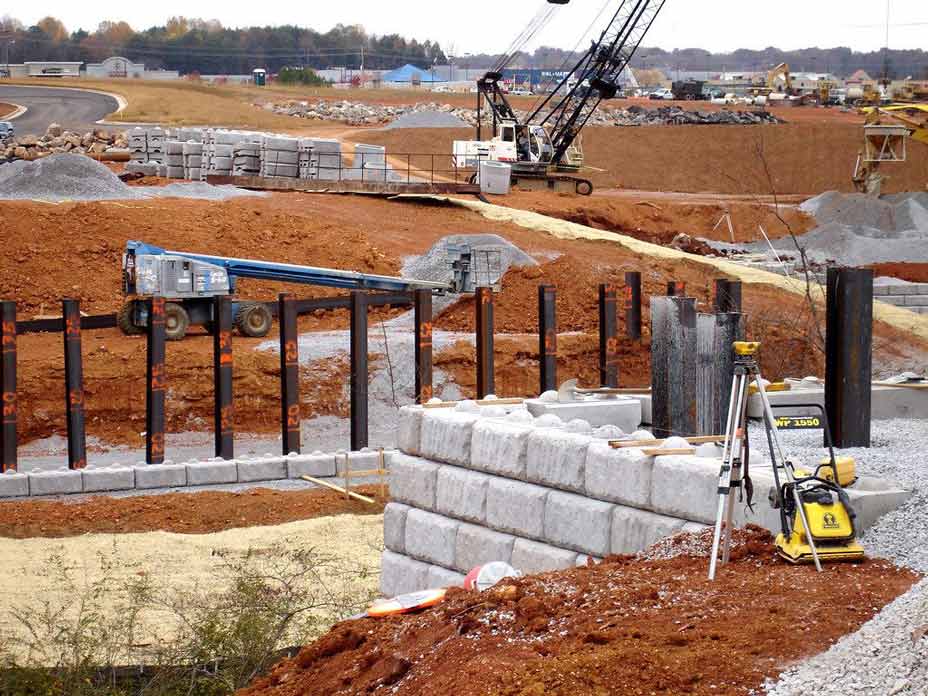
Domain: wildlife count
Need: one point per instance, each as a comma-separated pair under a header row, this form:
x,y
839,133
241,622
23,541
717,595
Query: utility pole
x,y
6,46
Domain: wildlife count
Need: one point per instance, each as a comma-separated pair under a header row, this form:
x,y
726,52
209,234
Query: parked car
x,y
662,93
521,92
6,131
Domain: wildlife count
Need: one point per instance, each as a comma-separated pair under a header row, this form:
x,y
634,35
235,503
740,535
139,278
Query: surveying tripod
x,y
736,442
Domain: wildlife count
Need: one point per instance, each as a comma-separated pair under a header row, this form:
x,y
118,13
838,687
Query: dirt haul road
x,y
45,244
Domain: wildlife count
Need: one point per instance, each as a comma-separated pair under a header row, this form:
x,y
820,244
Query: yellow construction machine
x,y
886,132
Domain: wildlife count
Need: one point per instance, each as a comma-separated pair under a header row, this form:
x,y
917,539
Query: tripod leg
x,y
737,465
739,387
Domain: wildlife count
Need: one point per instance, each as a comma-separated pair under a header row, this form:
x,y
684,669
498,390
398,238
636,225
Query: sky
x,y
489,26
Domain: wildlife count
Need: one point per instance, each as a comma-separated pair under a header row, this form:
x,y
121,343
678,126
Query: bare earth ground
x,y
45,243
802,158
619,627
6,109
205,512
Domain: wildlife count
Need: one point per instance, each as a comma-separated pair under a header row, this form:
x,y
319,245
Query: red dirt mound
x,y
912,272
620,627
182,513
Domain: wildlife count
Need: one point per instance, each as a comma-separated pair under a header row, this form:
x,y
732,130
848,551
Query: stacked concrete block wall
x,y
174,159
371,162
140,476
476,484
193,159
911,296
280,157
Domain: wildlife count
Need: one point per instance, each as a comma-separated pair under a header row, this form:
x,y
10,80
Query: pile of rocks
x,y
675,116
57,140
357,114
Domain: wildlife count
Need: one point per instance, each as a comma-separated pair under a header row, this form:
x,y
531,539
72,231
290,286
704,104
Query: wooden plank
x,y
696,440
326,484
658,452
481,402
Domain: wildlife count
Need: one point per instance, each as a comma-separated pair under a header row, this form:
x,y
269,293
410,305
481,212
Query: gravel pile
x,y
428,119
61,177
854,230
882,658
67,177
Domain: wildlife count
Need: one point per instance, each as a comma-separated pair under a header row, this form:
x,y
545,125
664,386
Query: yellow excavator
x,y
886,132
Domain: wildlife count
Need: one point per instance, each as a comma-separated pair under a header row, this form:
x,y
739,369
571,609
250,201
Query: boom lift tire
x,y
253,319
176,321
124,320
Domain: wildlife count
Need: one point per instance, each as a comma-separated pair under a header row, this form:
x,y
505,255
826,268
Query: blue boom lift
x,y
189,282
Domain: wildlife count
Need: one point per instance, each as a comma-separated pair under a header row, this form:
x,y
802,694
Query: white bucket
x,y
495,178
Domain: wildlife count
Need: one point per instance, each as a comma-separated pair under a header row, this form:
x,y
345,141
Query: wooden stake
x,y
697,440
350,494
481,402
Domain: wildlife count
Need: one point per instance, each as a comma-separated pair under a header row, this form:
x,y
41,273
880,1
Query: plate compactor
x,y
816,517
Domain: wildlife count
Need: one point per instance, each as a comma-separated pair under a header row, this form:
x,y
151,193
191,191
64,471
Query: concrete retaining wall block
x,y
442,577
55,482
516,507
618,475
557,458
394,526
430,537
318,465
476,546
462,494
111,478
685,487
410,428
446,435
499,447
413,481
400,575
576,522
267,469
210,473
160,476
13,485
635,530
533,557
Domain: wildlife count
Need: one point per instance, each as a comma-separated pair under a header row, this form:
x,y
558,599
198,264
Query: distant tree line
x,y
205,46
842,62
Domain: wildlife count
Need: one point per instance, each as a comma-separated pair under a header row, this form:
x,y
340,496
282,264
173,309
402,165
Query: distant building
x,y
45,68
118,67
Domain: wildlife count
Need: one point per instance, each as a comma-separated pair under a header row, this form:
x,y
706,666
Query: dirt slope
x,y
620,627
803,158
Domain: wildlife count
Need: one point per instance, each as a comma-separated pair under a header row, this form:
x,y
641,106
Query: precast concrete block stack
x,y
147,151
174,159
280,157
324,161
246,159
473,484
193,159
217,152
370,161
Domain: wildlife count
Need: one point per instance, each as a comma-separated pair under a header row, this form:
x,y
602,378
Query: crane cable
x,y
571,57
538,22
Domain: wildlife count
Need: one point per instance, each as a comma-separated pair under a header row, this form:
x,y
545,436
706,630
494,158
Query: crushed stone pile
x,y
70,177
57,140
433,115
61,177
889,655
856,230
428,119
